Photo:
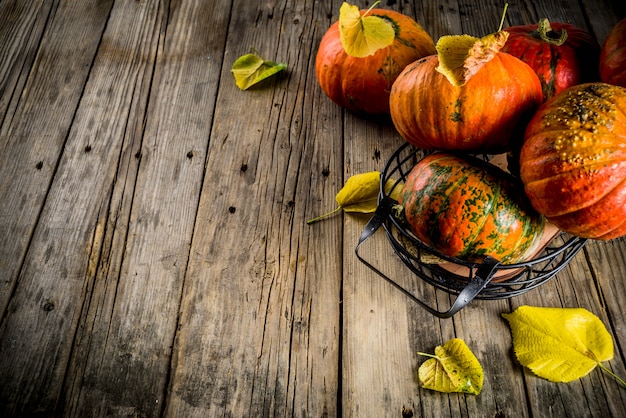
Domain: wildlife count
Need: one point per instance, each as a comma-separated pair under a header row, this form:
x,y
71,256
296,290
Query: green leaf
x,y
453,368
362,36
250,69
560,344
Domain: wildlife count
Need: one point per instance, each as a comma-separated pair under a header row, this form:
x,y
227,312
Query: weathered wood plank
x,y
58,271
38,116
23,23
154,256
39,315
260,320
378,364
130,323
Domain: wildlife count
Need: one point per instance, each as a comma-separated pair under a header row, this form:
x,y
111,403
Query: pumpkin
x,y
561,54
469,209
362,84
573,161
482,114
613,56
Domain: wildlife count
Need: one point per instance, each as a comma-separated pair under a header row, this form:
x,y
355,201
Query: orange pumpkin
x,y
613,56
363,84
573,161
481,115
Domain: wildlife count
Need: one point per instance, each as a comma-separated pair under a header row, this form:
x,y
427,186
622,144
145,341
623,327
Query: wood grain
x,y
155,258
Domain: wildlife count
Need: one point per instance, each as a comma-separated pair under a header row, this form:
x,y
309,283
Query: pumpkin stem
x,y
544,29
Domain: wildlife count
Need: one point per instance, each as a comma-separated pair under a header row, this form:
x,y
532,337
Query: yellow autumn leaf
x,y
362,36
251,69
360,194
453,368
559,344
462,56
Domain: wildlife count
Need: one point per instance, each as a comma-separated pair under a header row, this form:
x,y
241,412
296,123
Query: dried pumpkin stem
x,y
544,29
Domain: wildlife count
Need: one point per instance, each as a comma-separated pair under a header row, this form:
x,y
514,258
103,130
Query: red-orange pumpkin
x,y
561,54
467,208
482,115
573,160
613,56
363,84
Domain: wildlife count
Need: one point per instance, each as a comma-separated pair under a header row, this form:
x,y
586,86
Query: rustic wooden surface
x,y
154,255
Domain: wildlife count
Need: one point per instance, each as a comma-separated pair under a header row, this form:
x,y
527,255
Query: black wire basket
x,y
488,279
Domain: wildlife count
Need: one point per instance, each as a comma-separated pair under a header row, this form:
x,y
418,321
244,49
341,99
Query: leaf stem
x,y
616,377
326,215
428,355
371,8
506,6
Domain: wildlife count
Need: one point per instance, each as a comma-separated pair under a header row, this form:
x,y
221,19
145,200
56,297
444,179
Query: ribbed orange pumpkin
x,y
613,56
482,115
573,161
363,84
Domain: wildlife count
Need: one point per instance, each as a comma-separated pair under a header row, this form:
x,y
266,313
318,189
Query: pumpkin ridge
x,y
489,212
584,159
550,84
443,212
440,165
609,230
545,184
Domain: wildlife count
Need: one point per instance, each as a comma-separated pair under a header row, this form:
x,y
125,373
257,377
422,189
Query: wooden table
x,y
154,252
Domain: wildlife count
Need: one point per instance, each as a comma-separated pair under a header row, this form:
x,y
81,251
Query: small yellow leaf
x,y
462,56
251,69
559,344
362,36
360,194
453,368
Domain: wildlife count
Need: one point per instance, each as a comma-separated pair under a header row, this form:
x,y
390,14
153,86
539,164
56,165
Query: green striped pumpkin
x,y
469,209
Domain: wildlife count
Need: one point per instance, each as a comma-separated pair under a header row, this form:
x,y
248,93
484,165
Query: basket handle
x,y
483,276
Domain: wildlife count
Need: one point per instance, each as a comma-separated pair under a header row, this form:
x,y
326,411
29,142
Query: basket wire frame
x,y
487,280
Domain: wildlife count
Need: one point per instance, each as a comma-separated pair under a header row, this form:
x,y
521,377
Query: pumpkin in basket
x,y
561,54
466,208
573,160
613,56
362,83
468,97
